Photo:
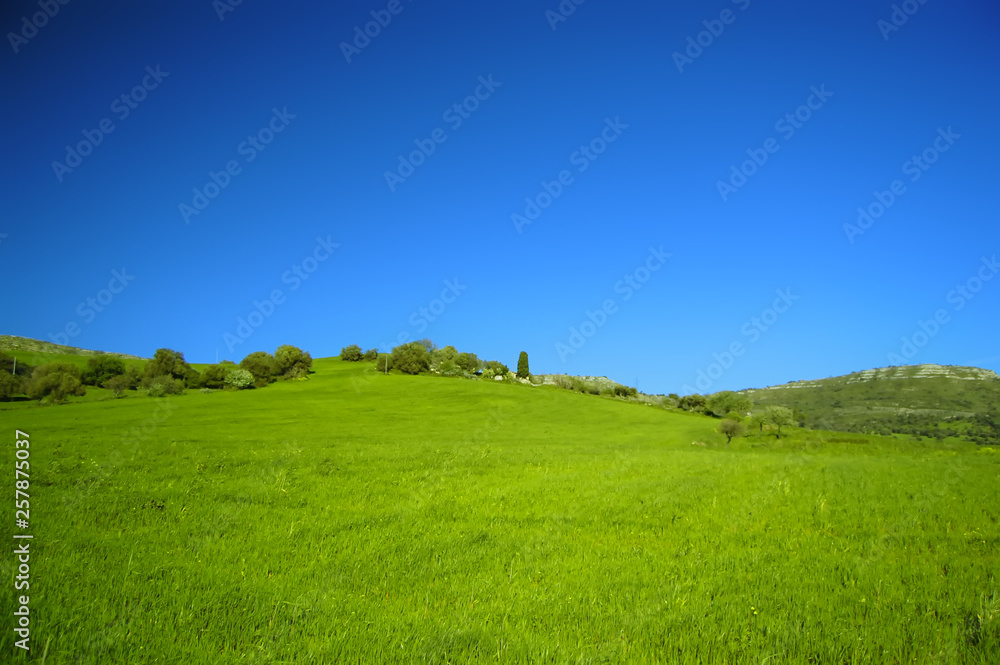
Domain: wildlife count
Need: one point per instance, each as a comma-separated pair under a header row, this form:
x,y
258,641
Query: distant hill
x,y
925,400
12,343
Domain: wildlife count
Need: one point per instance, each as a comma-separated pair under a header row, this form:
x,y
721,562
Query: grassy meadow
x,y
360,518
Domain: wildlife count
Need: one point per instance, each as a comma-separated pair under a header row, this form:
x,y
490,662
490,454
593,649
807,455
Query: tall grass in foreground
x,y
422,520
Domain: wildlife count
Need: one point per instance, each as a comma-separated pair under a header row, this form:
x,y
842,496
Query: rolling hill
x,y
924,400
357,517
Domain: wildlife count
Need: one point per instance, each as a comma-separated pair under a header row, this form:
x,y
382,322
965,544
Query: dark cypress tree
x,y
522,366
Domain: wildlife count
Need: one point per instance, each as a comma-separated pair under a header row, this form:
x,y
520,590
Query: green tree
x,y
469,362
133,377
758,419
117,385
370,355
522,366
262,365
624,391
693,402
10,385
780,416
101,368
497,368
351,354
444,354
56,381
192,378
167,362
291,362
723,403
731,427
411,358
214,376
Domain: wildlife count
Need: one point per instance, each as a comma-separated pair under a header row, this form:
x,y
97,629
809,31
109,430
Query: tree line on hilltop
x,y
167,373
425,356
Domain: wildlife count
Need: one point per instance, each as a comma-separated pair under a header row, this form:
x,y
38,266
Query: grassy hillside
x,y
925,400
365,518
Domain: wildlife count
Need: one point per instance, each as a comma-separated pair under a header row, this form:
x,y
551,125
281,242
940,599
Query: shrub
x,y
412,358
10,385
370,355
100,369
158,386
351,353
117,385
497,367
448,353
214,376
262,365
240,379
625,391
693,402
468,361
450,368
383,363
291,362
133,377
192,378
56,381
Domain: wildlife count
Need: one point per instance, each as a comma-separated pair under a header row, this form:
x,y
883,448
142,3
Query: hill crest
x,y
895,372
15,343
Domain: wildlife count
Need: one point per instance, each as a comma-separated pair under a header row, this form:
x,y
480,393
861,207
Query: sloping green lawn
x,y
363,518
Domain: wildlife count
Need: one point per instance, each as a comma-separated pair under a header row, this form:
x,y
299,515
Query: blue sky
x,y
739,138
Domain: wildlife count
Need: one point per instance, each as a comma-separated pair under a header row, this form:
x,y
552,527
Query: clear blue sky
x,y
546,88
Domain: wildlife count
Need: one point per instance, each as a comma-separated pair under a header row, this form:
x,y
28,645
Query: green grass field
x,y
353,518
